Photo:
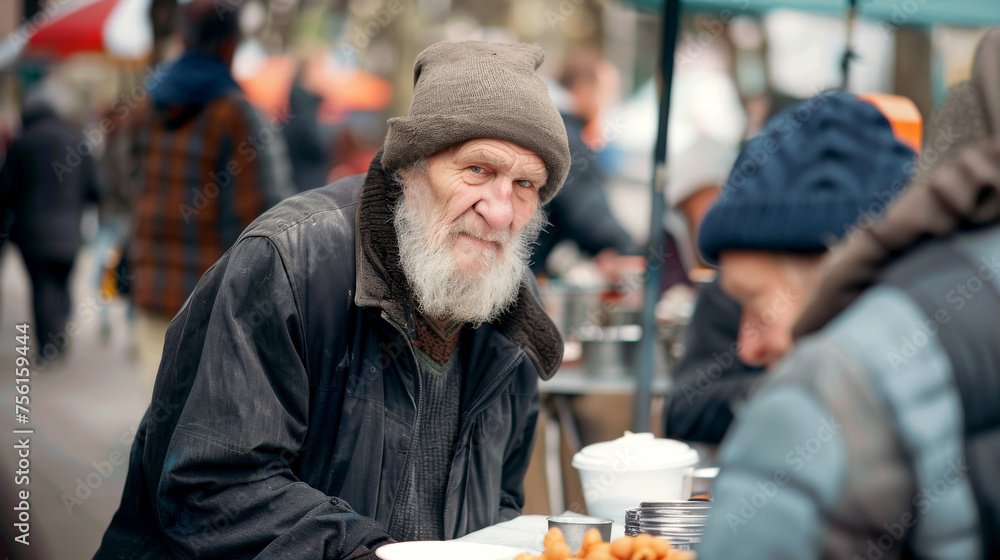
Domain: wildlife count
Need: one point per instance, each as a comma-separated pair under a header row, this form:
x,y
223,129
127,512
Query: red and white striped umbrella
x,y
116,28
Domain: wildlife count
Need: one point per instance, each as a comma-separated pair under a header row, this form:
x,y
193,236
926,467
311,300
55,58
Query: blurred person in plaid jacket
x,y
206,165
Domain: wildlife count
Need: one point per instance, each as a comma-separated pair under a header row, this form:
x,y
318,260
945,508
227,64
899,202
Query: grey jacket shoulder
x,y
879,466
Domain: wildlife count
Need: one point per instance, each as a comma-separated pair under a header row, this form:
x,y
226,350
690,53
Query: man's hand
x,y
614,266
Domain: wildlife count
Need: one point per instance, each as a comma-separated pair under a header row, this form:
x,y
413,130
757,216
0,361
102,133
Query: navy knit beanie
x,y
802,183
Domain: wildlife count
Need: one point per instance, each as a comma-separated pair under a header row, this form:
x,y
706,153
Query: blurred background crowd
x,y
98,269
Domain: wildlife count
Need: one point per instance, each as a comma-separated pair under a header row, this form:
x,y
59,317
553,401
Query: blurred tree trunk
x,y
912,76
406,34
487,14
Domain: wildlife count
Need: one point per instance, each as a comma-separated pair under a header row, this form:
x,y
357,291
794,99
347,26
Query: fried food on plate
x,y
641,547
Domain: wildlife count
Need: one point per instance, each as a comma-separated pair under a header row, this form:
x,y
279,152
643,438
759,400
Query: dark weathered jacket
x,y
287,395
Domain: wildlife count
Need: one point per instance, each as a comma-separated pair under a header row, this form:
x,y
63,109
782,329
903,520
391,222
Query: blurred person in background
x,y
358,140
207,166
877,436
707,125
308,149
115,174
797,187
710,379
363,365
581,212
45,181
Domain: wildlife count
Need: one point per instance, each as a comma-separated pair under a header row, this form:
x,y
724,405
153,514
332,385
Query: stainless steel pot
x,y
610,352
571,307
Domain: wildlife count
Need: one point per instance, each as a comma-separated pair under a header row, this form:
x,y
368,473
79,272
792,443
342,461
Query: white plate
x,y
445,550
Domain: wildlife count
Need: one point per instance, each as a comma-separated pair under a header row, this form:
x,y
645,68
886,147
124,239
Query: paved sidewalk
x,y
84,412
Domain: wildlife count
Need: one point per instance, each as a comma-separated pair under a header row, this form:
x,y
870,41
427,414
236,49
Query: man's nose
x,y
752,349
765,349
496,206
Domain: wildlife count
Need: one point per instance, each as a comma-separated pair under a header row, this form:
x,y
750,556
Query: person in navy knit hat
x,y
817,169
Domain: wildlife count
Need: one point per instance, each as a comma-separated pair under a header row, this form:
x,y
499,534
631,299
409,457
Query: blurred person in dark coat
x,y
47,178
308,150
700,408
581,212
711,382
208,165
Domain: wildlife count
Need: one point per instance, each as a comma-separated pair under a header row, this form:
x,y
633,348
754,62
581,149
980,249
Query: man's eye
x,y
524,183
476,169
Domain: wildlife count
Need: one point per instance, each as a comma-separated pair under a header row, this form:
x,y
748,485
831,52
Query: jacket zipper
x,y
465,417
416,420
496,382
489,389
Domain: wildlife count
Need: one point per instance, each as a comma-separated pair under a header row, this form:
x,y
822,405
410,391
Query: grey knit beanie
x,y
471,89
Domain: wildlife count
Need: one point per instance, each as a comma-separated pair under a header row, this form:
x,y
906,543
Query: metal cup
x,y
575,527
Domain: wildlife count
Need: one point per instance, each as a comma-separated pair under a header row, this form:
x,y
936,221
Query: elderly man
x,y
362,366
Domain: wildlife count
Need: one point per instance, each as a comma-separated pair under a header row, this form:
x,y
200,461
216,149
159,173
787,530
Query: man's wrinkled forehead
x,y
504,156
744,273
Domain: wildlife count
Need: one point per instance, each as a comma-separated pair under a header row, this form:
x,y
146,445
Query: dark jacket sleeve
x,y
227,487
710,380
581,212
518,452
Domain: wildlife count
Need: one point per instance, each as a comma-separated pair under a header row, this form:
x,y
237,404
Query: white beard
x,y
441,289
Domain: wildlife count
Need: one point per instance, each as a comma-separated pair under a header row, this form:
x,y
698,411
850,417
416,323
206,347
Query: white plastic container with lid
x,y
635,468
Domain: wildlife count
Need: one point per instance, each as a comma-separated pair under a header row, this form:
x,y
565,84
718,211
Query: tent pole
x,y
845,60
654,256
